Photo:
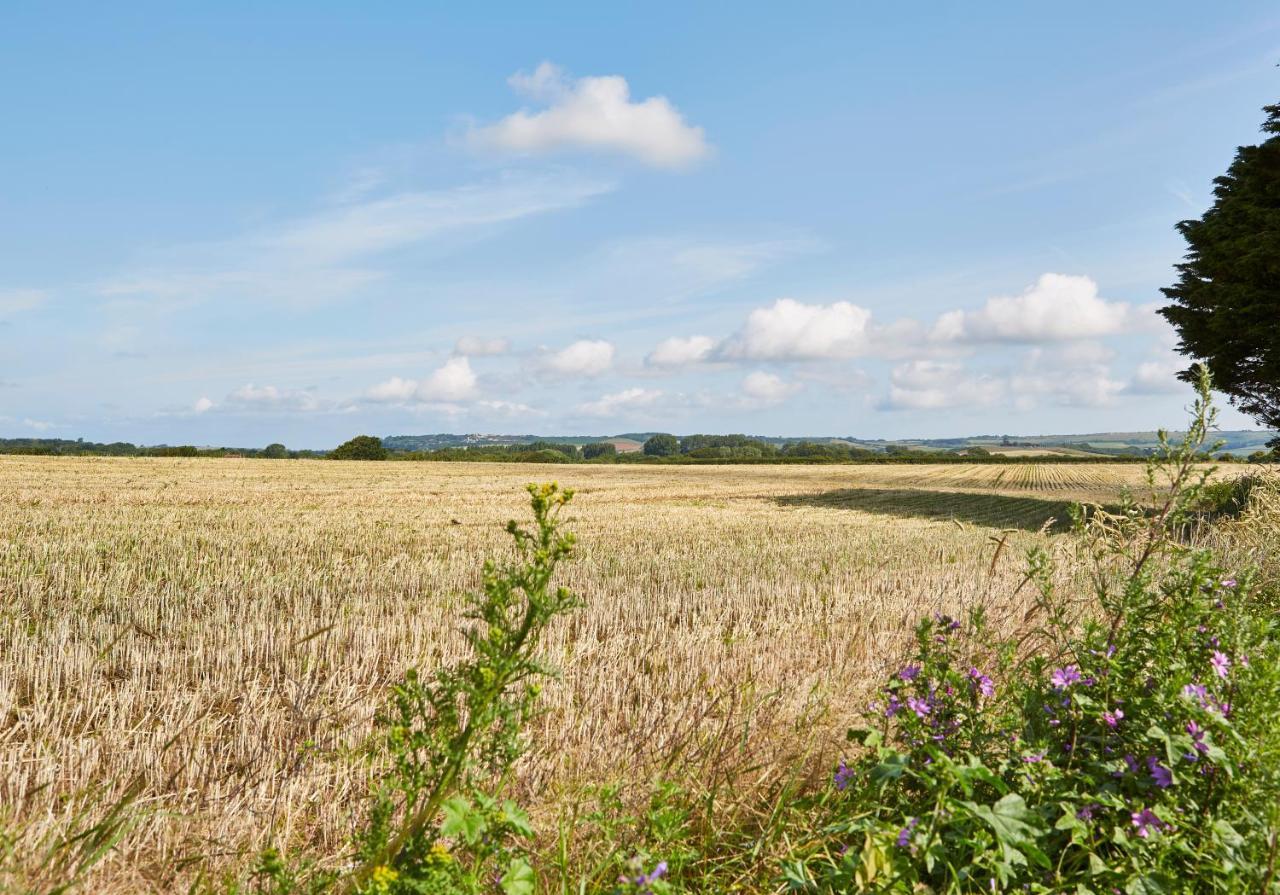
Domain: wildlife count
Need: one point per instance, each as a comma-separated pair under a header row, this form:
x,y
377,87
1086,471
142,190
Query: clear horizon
x,y
236,226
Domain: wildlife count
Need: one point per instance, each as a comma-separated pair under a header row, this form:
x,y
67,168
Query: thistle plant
x,y
438,822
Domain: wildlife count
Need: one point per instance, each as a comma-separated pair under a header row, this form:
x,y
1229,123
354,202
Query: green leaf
x,y
1016,828
518,880
1227,834
891,768
515,818
864,735
1144,885
461,821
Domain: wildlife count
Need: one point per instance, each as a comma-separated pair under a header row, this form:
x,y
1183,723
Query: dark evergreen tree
x,y
1226,303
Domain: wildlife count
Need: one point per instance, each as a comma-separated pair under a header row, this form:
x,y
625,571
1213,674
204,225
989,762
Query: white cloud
x,y
935,385
1057,307
765,389
1158,377
453,381
38,425
475,346
15,301
586,357
790,330
394,389
201,405
594,113
620,402
269,397
509,408
678,352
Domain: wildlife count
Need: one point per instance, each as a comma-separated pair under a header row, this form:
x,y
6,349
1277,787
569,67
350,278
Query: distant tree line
x,y
65,447
658,448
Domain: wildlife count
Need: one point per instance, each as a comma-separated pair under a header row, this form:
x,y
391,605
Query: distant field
x,y
226,628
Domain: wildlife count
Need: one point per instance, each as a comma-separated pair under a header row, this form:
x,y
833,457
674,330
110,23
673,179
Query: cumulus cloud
x,y
791,330
766,389
597,114
678,352
586,357
201,405
1058,307
936,385
475,346
452,382
620,402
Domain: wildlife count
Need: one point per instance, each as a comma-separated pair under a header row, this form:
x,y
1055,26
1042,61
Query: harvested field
x,y
222,631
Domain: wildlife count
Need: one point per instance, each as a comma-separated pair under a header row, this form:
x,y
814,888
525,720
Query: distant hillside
x,y
1241,441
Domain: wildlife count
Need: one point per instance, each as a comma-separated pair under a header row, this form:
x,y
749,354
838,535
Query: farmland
x,y
222,632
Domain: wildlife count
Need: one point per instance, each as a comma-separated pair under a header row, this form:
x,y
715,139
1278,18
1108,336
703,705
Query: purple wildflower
x,y
1162,776
1228,583
1221,664
1086,813
1198,693
1146,821
1065,677
843,775
1034,758
1198,744
1111,719
980,682
904,835
894,706
910,673
653,875
919,706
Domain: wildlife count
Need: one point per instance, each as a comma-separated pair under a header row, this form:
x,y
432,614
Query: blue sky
x,y
238,223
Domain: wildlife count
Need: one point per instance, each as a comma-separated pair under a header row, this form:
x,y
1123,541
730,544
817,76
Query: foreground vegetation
x,y
201,672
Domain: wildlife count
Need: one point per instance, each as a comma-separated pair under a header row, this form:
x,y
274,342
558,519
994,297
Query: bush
x,y
362,447
1136,749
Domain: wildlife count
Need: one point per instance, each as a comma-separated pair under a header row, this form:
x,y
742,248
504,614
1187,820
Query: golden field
x,y
220,633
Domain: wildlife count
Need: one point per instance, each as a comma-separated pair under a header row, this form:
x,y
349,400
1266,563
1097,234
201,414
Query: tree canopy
x,y
362,447
662,445
1226,303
